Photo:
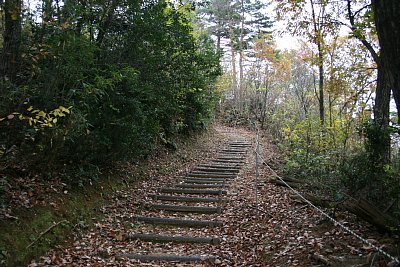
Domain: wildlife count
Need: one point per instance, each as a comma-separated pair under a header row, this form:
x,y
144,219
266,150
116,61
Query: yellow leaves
x,y
40,118
41,114
61,111
67,110
14,15
265,48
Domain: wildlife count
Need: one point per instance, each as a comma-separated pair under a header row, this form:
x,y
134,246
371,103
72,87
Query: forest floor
x,y
270,230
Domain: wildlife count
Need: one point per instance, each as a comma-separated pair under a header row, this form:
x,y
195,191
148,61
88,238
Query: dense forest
x,y
87,84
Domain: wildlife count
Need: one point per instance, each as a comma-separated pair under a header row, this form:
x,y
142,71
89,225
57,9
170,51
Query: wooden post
x,y
257,163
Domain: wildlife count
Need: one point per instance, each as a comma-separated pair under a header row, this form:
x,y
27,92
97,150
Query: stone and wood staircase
x,y
194,202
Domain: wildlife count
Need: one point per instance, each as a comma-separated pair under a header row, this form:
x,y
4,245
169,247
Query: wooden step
x,y
229,156
233,151
192,191
195,185
221,166
179,208
210,175
215,174
240,144
228,161
160,257
178,222
193,180
176,239
185,199
217,170
215,179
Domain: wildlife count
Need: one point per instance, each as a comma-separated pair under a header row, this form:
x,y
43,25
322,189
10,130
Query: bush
x,y
81,103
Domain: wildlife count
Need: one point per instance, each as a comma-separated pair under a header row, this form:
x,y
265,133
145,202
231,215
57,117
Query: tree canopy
x,y
86,83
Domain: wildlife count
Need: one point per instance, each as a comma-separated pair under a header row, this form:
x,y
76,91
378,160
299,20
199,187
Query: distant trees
x,y
239,22
312,20
327,104
323,19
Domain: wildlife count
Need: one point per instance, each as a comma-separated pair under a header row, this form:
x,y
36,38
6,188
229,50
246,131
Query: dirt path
x,y
108,243
274,231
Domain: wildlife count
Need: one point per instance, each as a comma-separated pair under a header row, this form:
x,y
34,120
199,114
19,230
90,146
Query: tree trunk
x,y
234,78
321,85
218,41
330,101
386,16
319,42
265,98
381,146
106,21
10,58
232,47
264,109
47,10
241,74
233,59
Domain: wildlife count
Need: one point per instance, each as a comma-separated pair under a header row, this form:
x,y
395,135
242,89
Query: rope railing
x,y
336,223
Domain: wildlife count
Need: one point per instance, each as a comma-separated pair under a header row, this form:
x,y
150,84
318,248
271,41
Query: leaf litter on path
x,y
268,230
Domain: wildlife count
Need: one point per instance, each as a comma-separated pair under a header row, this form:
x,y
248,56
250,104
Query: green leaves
x,y
132,71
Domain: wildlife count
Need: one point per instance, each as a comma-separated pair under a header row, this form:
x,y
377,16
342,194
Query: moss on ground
x,y
38,229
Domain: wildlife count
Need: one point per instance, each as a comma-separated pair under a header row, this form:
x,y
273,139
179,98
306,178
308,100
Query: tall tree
x,y
253,22
238,21
232,17
360,23
217,18
318,38
386,17
221,18
310,18
10,57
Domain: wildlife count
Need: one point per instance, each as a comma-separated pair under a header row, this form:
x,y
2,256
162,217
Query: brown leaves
x,y
274,231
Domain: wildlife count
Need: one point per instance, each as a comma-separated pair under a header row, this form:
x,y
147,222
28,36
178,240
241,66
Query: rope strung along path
x,y
345,228
167,219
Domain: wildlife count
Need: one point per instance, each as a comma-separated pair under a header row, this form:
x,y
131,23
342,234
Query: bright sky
x,y
283,40
286,41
